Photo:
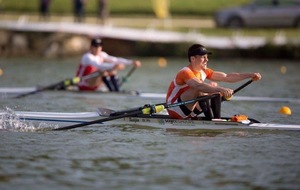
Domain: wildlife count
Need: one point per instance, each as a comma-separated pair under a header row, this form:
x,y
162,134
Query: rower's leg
x,y
115,81
108,83
205,106
196,111
216,106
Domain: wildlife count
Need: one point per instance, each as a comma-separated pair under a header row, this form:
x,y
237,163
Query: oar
x,y
238,89
124,79
243,86
142,110
146,109
200,98
114,113
62,84
165,105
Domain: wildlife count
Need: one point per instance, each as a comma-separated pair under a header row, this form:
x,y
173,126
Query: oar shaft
x,y
100,120
239,88
127,76
64,83
92,75
201,98
41,89
242,86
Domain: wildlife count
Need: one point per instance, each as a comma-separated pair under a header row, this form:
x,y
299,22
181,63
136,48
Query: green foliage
x,y
202,7
139,7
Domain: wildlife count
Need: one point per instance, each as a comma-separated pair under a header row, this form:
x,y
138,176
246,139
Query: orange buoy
x,y
162,62
285,110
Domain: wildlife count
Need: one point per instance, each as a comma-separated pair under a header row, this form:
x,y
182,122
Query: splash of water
x,y
10,121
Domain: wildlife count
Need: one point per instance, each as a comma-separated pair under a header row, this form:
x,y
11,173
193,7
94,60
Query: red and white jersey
x,y
102,62
91,63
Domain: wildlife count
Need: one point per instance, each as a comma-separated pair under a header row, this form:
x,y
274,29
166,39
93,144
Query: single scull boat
x,y
163,121
147,115
13,92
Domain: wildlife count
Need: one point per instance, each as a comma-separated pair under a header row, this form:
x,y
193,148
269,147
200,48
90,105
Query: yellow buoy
x,y
285,110
283,69
162,62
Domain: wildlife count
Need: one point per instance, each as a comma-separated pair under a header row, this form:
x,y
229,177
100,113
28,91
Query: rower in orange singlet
x,y
189,84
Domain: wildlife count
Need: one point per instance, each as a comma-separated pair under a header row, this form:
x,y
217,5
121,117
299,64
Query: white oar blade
x,y
105,111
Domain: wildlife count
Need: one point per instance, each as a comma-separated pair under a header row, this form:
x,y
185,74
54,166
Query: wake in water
x,y
10,121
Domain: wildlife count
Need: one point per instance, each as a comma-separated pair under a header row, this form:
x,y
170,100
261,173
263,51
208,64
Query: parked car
x,y
261,13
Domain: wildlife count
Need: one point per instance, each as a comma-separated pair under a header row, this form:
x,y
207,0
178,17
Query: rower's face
x,y
96,50
199,62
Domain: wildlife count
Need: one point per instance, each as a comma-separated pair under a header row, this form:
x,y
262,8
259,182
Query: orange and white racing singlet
x,y
179,85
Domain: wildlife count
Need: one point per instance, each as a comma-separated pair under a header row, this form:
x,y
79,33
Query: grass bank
x,y
143,8
120,7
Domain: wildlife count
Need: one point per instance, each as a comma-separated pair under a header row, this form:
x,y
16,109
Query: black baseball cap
x,y
197,49
96,42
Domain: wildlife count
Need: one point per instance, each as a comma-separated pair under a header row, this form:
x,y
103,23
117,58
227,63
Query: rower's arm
x,y
233,77
203,86
118,60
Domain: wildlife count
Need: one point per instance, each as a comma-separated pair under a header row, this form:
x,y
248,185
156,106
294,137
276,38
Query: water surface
x,y
131,157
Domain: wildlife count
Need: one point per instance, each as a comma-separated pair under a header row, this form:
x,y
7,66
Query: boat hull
x,y
164,122
56,119
14,92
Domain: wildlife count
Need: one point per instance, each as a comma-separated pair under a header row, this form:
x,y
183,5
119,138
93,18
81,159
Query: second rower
x,y
97,60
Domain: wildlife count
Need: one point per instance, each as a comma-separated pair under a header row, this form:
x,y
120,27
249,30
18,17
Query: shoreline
x,y
27,36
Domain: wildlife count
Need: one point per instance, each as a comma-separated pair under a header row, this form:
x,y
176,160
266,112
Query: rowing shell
x,y
57,119
10,91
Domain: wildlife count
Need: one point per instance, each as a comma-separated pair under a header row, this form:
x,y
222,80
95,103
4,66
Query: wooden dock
x,y
135,34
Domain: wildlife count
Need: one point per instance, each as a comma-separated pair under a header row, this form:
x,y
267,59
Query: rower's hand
x,y
119,67
256,76
137,63
227,93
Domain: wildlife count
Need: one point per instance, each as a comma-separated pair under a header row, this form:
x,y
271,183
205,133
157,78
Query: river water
x,y
128,157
